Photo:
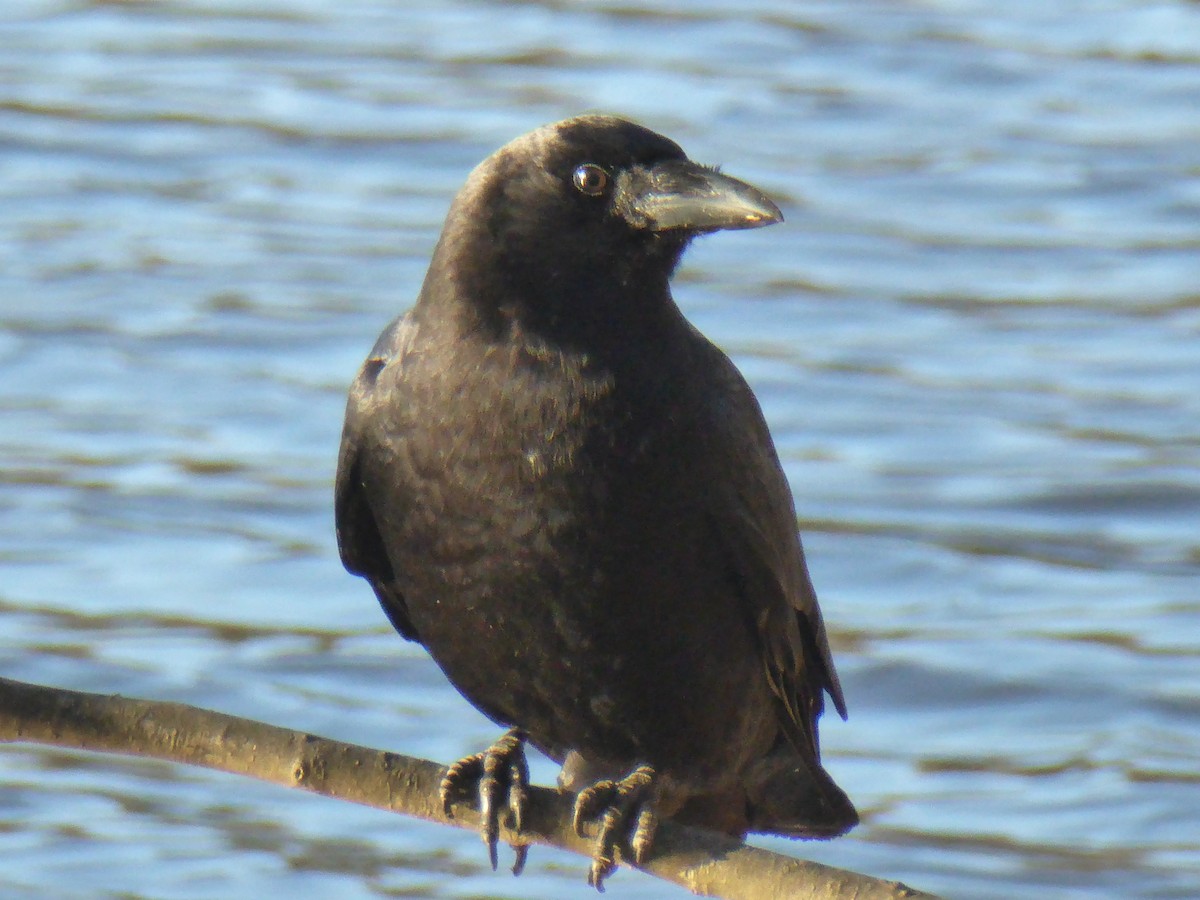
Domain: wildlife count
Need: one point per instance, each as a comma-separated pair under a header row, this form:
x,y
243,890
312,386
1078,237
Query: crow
x,y
570,497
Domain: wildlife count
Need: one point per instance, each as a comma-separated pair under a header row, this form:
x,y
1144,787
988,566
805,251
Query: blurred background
x,y
976,340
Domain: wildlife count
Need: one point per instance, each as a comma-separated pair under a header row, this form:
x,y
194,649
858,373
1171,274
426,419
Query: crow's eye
x,y
590,179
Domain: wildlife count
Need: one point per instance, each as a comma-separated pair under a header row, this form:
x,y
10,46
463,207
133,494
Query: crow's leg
x,y
499,778
625,811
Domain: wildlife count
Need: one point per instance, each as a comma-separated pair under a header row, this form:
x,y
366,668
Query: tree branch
x,y
706,863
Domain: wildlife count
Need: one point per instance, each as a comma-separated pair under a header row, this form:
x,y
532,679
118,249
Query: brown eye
x,y
590,179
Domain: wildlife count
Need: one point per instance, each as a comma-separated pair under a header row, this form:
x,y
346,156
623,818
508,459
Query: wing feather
x,y
359,540
753,512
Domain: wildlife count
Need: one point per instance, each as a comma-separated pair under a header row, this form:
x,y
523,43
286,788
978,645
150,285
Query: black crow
x,y
569,496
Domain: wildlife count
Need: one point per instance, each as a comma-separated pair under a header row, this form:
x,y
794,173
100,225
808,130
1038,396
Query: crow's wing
x,y
358,535
753,513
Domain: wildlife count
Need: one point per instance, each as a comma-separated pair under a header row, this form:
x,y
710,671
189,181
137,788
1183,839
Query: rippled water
x,y
976,339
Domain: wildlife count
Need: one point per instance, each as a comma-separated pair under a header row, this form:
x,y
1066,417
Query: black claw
x,y
591,801
501,780
490,838
643,833
490,788
520,854
604,859
628,821
518,791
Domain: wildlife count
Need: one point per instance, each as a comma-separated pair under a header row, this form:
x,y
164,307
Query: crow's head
x,y
590,211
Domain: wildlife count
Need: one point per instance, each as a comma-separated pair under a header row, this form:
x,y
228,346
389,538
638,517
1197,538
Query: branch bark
x,y
705,863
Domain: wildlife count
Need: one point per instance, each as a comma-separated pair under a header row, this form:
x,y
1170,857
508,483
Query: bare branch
x,y
706,863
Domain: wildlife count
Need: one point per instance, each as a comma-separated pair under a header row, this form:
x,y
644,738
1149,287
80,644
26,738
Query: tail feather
x,y
791,796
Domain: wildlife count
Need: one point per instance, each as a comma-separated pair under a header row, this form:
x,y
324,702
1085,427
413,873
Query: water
x,y
975,339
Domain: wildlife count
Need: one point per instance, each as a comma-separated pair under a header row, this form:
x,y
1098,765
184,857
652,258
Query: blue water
x,y
977,340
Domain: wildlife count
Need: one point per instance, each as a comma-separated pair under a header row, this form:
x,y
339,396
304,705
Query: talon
x,y
520,854
501,776
453,785
490,787
643,833
591,801
518,791
601,868
628,821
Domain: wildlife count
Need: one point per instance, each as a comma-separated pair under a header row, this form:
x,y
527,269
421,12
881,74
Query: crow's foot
x,y
625,810
499,778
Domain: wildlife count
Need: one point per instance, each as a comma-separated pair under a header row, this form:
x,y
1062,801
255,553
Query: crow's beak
x,y
682,194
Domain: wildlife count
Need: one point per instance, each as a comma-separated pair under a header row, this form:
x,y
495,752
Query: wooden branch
x,y
706,863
